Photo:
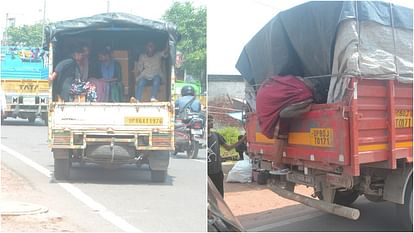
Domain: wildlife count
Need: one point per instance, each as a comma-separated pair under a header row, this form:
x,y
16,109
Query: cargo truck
x,y
356,136
25,87
113,134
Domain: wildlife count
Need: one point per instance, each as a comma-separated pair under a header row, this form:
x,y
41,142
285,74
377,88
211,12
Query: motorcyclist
x,y
188,100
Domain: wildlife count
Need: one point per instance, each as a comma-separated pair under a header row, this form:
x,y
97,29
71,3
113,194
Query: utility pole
x,y
43,23
5,30
107,6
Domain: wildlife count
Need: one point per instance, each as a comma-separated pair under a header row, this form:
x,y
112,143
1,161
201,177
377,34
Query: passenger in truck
x,y
149,70
108,82
84,65
66,72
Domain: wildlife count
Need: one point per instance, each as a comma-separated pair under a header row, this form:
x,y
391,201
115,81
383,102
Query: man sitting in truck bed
x,y
66,72
149,70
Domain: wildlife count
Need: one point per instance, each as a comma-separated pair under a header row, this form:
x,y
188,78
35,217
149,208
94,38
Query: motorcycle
x,y
188,133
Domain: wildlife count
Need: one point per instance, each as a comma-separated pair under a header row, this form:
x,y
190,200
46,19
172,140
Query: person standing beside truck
x,y
66,72
149,69
215,140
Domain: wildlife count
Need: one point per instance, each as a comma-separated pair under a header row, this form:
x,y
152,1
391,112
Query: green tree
x,y
26,35
191,24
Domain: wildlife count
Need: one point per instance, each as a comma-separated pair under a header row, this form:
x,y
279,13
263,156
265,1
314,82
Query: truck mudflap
x,y
340,210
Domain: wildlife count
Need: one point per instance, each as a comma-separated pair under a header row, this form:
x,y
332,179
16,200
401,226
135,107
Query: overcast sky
x,y
230,23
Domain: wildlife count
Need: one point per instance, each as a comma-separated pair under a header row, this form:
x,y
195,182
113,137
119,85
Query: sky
x,y
31,11
230,23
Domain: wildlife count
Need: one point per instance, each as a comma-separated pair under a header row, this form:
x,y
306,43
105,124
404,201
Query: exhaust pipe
x,y
332,208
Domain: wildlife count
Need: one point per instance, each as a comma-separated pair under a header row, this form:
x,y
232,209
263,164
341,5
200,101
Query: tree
x,y
26,35
191,24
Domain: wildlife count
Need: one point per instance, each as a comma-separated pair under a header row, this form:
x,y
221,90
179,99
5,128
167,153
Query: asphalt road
x,y
98,199
376,217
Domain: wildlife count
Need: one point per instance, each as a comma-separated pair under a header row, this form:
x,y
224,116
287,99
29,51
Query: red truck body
x,y
373,124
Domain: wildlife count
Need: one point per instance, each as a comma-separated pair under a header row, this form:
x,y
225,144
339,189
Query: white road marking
x,y
271,226
27,161
77,193
200,160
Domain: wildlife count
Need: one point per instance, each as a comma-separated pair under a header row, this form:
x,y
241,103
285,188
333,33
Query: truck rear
x,y
113,134
25,87
358,138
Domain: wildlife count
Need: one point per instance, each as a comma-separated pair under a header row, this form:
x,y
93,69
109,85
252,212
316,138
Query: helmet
x,y
187,90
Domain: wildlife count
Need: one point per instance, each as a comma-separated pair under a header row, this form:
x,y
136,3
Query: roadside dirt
x,y
244,199
251,198
16,189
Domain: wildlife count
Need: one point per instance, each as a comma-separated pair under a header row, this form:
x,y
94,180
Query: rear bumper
x,y
141,141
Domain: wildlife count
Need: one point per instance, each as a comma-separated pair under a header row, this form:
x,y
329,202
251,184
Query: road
x,y
374,217
98,199
260,209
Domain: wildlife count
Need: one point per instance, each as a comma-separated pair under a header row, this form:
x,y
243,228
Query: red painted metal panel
x,y
371,123
364,130
316,154
373,156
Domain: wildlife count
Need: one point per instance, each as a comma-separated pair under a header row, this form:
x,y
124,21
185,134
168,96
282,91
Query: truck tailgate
x,y
117,116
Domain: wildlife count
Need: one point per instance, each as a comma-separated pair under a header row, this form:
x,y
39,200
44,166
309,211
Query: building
x,y
224,93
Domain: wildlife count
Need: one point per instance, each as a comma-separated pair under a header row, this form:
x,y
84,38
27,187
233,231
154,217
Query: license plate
x,y
29,101
322,137
403,119
196,131
143,120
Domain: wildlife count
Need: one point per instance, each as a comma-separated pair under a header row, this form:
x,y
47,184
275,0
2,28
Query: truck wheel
x,y
32,119
290,186
158,176
62,164
346,197
45,119
262,177
62,169
373,198
192,153
405,211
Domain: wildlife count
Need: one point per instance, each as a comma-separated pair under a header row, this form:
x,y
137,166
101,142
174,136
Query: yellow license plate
x,y
403,119
143,120
322,137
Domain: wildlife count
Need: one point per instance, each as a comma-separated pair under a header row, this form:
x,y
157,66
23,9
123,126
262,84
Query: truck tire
x,y
373,198
158,176
262,177
31,119
45,119
346,197
405,211
62,163
192,153
62,169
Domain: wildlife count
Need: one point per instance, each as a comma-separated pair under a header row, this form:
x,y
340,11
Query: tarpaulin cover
x,y
364,38
274,95
108,21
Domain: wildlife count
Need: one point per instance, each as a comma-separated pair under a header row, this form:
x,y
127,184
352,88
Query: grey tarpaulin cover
x,y
108,21
332,39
